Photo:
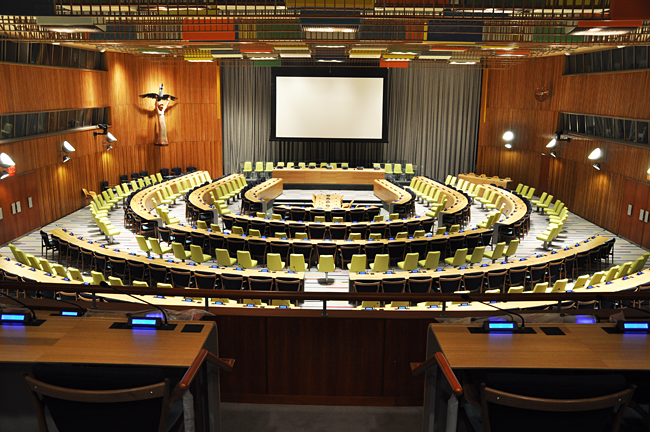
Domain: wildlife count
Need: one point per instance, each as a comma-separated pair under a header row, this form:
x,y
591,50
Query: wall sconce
x,y
109,136
508,145
648,173
6,161
553,154
66,148
597,166
107,145
508,136
596,154
4,174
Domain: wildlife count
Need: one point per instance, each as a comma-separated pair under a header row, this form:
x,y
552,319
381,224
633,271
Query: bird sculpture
x,y
160,96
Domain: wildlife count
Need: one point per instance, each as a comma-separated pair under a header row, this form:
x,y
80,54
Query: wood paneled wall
x,y
510,105
194,127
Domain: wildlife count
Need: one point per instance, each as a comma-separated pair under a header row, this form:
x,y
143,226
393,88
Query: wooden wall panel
x,y
194,125
12,190
510,105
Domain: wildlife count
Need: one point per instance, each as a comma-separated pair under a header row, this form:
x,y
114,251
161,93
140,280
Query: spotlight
x,y
508,136
4,175
597,166
108,146
596,154
66,158
553,154
109,136
552,143
67,147
6,161
508,145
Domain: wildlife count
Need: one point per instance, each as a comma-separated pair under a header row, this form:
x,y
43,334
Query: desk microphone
x,y
105,284
21,303
467,297
600,297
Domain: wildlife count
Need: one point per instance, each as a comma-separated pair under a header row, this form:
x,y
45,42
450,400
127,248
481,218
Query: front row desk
x,y
97,341
549,349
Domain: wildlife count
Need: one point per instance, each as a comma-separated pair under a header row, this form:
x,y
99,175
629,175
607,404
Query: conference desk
x,y
391,194
265,192
88,340
328,176
483,179
201,199
576,347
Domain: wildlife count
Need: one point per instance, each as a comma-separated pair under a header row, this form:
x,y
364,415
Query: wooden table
x,y
482,179
456,201
201,199
582,347
328,176
390,194
265,193
89,340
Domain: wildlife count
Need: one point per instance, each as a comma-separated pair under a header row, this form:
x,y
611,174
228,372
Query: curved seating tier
x,y
483,179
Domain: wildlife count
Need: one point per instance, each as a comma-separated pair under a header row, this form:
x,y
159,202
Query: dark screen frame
x,y
334,72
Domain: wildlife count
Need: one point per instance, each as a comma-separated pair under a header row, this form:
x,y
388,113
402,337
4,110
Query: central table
x,y
328,176
327,201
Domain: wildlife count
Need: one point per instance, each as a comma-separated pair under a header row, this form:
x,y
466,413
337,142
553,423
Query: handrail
x,y
440,360
244,294
204,355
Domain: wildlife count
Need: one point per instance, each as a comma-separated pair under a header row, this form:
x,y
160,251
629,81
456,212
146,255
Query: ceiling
x,y
391,33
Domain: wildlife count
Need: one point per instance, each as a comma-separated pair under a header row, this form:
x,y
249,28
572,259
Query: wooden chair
x,y
516,402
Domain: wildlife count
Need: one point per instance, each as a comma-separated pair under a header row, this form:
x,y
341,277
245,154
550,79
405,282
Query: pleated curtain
x,y
433,120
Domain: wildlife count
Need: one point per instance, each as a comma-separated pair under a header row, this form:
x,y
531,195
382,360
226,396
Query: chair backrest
x,y
564,403
358,263
297,263
512,247
432,259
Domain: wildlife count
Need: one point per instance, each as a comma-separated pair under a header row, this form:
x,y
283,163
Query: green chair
x,y
159,177
516,290
297,263
248,167
431,261
290,164
76,275
300,236
274,262
140,284
530,193
254,233
325,265
33,262
163,285
397,169
180,252
223,258
323,164
410,262
259,167
358,263
623,270
312,164
144,244
197,254
542,205
245,260
540,288
345,165
596,278
113,281
477,255
512,249
559,285
281,164
59,270
237,230
97,278
611,274
157,248
46,266
269,167
580,282
540,200
408,169
497,253
357,236
458,259
302,165
374,236
524,190
381,263
388,168
454,229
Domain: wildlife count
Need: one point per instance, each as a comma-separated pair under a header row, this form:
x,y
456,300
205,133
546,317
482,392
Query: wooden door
x,y
635,204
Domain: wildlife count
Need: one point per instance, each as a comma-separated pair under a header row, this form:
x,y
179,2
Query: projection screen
x,y
322,104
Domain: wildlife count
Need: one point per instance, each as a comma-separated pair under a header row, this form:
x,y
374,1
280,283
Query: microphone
x,y
21,303
467,297
600,297
105,284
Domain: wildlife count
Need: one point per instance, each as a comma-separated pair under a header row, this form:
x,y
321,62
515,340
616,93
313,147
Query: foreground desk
x,y
91,341
580,347
328,176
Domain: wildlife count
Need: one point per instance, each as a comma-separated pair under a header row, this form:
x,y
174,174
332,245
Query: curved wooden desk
x,y
171,264
141,203
201,199
456,201
328,176
391,194
265,192
481,180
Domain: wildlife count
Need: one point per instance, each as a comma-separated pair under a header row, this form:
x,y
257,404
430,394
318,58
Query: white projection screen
x,y
320,104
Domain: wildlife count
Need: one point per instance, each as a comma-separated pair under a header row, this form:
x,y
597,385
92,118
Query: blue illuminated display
x,y
501,326
143,321
11,317
69,313
635,326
